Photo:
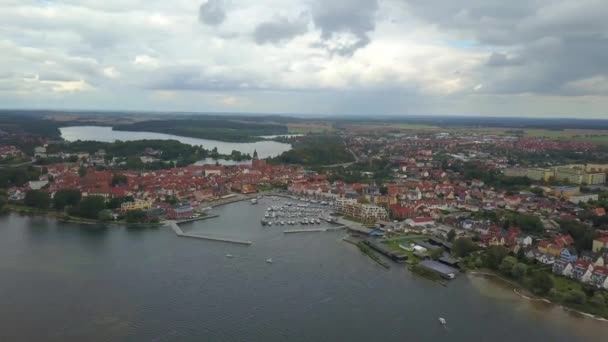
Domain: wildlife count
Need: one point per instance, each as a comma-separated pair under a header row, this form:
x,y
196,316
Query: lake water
x,y
107,134
69,282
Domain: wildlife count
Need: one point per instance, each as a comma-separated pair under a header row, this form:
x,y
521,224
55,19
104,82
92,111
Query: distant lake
x,y
281,136
107,134
211,161
68,282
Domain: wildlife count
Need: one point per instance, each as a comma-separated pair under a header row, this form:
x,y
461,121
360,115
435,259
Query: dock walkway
x,y
179,232
313,230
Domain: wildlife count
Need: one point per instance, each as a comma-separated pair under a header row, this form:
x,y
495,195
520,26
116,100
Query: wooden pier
x,y
179,232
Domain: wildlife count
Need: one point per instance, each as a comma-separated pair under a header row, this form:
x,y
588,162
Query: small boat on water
x,y
269,261
442,321
229,255
254,201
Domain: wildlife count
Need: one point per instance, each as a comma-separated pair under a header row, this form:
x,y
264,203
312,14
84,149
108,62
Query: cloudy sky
x,y
370,57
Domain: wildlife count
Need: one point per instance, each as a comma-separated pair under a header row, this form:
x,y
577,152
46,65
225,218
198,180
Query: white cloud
x,y
146,61
347,56
111,72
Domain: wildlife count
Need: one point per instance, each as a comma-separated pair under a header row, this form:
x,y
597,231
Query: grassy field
x,y
588,135
405,240
422,127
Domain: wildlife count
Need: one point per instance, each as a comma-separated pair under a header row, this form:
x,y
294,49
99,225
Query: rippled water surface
x,y
68,282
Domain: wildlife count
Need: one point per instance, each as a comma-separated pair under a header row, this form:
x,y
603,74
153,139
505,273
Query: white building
x,y
350,207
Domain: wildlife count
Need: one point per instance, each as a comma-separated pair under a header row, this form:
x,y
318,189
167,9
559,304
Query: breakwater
x,y
179,232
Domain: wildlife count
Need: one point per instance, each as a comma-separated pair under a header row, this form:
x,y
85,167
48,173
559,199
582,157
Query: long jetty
x,y
197,219
179,232
290,231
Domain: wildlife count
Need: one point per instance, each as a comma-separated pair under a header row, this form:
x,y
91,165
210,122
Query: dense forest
x,y
16,123
169,153
18,176
316,150
209,128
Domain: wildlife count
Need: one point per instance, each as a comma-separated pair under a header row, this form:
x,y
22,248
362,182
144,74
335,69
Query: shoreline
x,y
30,211
531,297
25,211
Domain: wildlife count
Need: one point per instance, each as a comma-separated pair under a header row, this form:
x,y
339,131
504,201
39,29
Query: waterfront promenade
x,y
354,226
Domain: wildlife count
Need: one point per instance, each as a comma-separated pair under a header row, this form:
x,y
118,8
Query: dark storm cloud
x,y
195,78
355,17
212,12
498,59
280,29
556,42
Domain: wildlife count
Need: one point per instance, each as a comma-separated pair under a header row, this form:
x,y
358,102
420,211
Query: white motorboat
x,y
443,321
269,261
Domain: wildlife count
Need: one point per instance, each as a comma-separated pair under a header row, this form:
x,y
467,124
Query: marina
x,y
300,212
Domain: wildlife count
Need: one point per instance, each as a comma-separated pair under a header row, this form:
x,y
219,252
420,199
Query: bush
x,y
598,300
575,297
507,265
105,215
519,270
541,283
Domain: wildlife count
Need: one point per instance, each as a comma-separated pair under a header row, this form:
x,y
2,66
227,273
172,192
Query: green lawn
x,y
563,284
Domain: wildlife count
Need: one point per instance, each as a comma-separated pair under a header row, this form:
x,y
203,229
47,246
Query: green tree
x,y
436,253
66,197
37,199
493,256
507,264
541,282
527,223
82,171
135,216
3,200
116,202
462,247
582,235
521,255
451,235
90,207
519,270
119,179
134,163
